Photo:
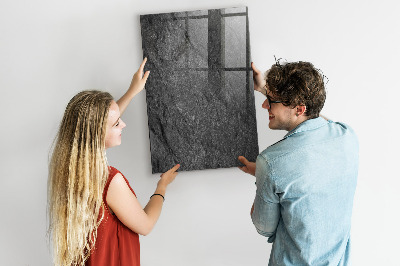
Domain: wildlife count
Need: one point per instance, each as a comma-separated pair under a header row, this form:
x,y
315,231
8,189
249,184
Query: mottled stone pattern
x,y
200,97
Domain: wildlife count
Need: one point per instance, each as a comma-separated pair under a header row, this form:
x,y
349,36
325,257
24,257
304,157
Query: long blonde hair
x,y
78,171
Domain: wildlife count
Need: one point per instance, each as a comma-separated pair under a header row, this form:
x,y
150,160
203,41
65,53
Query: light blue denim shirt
x,y
305,189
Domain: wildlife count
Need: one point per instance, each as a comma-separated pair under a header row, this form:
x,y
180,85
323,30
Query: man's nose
x,y
265,104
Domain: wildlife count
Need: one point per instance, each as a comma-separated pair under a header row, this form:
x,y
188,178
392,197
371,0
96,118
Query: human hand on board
x,y
137,85
168,176
139,79
249,167
259,81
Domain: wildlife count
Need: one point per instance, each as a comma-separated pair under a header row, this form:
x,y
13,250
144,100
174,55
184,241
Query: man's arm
x,y
265,212
265,216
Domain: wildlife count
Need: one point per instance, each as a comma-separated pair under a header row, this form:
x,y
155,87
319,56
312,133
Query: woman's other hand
x,y
168,176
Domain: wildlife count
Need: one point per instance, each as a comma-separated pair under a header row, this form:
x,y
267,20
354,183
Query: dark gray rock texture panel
x,y
200,96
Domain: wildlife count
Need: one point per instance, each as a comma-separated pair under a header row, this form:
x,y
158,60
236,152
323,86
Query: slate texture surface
x,y
200,97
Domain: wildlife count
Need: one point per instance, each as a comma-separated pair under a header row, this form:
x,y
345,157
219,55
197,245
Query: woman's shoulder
x,y
113,171
117,178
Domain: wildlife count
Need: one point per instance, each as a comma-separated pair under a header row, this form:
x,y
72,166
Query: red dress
x,y
116,244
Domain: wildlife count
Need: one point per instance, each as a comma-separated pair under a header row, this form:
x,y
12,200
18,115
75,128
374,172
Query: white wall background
x,y
49,50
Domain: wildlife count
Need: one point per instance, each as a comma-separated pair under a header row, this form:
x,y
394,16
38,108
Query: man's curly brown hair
x,y
298,83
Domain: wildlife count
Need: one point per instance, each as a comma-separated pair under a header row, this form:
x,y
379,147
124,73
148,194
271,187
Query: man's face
x,y
280,116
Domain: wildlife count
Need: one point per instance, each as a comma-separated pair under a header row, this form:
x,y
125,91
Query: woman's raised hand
x,y
137,85
139,79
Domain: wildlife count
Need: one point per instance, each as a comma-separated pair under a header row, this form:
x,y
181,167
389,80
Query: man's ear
x,y
300,110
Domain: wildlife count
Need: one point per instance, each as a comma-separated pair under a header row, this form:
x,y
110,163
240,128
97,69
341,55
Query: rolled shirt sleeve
x,y
266,212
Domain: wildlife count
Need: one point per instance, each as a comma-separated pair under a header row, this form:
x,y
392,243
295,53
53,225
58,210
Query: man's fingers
x,y
255,70
243,160
243,168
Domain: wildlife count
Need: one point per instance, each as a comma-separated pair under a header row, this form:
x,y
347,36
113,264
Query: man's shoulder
x,y
276,150
299,141
342,130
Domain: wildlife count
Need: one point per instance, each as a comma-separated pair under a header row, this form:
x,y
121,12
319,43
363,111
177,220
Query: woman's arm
x,y
137,85
125,205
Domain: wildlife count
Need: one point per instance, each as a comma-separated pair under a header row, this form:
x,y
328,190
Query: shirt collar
x,y
307,125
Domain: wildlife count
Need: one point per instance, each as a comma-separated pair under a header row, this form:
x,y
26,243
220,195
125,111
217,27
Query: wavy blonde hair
x,y
78,171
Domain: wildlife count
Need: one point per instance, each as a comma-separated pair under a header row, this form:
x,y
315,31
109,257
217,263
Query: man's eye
x,y
117,124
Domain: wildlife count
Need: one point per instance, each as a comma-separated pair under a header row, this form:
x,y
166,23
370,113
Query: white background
x,y
50,50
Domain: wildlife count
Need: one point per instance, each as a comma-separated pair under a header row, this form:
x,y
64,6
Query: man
x,y
305,182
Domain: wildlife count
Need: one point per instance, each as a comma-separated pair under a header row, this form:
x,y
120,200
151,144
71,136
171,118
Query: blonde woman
x,y
95,217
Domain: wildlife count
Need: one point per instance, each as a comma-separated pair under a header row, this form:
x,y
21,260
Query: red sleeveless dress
x,y
116,244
